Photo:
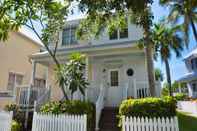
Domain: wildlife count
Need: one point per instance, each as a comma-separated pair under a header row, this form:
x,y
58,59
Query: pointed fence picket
x,y
51,122
5,121
149,124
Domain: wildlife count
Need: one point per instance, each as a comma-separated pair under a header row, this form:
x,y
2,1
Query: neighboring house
x,y
16,67
114,63
191,77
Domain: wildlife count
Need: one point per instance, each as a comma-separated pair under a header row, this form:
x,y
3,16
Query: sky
x,y
177,65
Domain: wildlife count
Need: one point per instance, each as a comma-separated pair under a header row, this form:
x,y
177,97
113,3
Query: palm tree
x,y
167,40
183,9
158,74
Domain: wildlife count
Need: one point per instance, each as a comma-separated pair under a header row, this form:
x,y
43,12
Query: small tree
x,y
71,75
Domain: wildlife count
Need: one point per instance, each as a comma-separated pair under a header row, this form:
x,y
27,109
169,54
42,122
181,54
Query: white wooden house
x,y
115,66
190,78
113,61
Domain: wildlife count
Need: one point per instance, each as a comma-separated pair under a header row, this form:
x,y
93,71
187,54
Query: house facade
x,y
191,77
16,67
115,66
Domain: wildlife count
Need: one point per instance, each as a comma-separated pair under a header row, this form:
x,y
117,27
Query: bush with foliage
x,y
16,126
180,96
149,107
71,107
17,114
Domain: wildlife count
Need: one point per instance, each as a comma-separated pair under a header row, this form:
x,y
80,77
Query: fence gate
x,y
50,122
149,124
5,121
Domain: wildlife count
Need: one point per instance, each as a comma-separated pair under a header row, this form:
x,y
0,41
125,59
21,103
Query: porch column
x,y
33,74
135,88
86,73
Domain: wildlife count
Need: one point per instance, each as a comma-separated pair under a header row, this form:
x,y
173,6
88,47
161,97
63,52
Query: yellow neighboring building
x,y
16,67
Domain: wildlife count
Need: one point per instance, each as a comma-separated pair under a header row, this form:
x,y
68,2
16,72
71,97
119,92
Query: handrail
x,y
99,105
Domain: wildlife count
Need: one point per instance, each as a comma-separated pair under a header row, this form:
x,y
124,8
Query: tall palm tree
x,y
166,41
183,9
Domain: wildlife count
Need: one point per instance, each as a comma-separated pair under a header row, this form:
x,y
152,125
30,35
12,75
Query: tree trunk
x,y
168,75
150,68
193,28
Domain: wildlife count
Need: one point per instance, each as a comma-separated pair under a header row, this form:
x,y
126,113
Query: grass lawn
x,y
186,122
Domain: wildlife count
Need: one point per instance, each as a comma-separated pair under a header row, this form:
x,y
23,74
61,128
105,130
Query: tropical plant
x,y
167,40
111,15
183,10
71,75
158,74
44,17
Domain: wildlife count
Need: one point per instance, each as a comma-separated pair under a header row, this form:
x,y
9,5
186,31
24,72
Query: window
x,y
40,83
119,34
114,78
194,63
194,88
68,36
124,33
14,79
113,35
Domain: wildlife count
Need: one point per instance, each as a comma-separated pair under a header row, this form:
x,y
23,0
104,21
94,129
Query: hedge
x,y
72,107
149,107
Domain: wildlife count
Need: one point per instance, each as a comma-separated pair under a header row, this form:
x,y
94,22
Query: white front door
x,y
114,91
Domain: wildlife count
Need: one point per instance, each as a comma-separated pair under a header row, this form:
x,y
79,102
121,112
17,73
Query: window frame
x,y
70,36
13,85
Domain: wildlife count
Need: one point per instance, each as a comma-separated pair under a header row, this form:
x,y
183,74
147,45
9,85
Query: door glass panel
x,y
114,78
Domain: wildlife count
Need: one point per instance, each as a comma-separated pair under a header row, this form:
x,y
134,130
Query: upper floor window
x,y
14,80
194,63
119,34
68,36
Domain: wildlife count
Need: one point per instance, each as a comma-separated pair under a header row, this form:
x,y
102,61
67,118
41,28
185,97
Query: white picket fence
x,y
50,122
5,121
148,124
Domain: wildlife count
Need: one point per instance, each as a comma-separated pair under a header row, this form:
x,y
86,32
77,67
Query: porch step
x,y
109,120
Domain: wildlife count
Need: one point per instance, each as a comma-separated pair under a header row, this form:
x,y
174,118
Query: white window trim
x,y
70,33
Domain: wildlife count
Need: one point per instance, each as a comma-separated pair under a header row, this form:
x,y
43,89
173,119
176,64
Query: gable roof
x,y
37,43
192,54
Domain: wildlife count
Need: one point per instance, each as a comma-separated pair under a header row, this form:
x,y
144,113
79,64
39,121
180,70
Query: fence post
x,y
123,123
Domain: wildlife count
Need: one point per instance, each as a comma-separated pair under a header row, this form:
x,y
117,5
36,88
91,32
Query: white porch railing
x,y
26,96
149,124
5,121
141,89
100,105
50,122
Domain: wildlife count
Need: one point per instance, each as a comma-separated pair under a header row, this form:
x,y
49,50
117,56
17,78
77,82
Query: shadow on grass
x,y
187,122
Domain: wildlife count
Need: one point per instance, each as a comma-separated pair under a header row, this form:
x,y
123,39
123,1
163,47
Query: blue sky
x,y
177,65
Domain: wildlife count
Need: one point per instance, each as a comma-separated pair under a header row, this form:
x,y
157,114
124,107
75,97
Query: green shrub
x,y
18,115
16,126
72,107
148,107
180,96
